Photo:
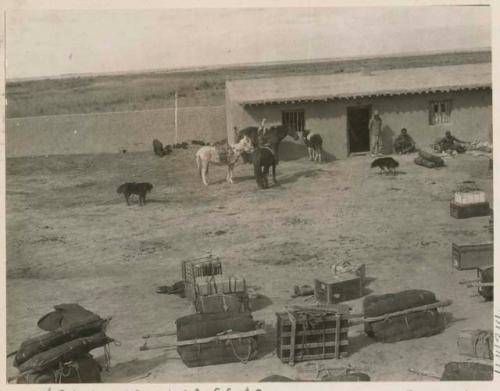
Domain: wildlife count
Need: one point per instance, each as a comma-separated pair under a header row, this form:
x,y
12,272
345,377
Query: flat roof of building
x,y
305,88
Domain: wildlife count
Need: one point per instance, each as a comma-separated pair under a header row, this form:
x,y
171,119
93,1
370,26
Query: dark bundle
x,y
467,371
158,148
487,277
428,160
406,326
73,333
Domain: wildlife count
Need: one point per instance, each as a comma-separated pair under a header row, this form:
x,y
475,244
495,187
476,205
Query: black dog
x,y
140,189
386,163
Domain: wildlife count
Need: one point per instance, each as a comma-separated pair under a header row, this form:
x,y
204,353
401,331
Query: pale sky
x,y
48,43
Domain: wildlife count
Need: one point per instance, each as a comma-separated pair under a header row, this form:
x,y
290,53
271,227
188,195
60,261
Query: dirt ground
x,y
71,238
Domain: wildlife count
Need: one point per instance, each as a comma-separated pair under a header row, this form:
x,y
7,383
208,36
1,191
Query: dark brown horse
x,y
271,136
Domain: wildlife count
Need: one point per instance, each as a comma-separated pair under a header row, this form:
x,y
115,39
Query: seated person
x,y
404,143
451,143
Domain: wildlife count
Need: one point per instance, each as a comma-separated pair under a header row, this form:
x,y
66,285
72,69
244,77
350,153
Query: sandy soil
x,y
71,238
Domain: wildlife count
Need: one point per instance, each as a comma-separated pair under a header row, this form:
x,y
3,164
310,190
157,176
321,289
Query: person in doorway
x,y
450,143
375,127
404,143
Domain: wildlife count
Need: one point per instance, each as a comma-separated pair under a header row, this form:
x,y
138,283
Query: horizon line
x,y
214,67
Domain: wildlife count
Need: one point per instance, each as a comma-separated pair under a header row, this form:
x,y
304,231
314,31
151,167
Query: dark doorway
x,y
357,129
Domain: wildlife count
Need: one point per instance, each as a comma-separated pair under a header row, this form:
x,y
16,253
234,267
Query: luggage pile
x,y
210,290
62,355
222,330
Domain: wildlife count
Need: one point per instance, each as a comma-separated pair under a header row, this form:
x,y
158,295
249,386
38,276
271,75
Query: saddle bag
x,y
64,352
423,162
83,369
438,161
218,338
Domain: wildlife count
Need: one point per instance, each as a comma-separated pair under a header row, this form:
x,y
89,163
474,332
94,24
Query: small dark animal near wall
x,y
314,144
271,137
140,189
263,158
386,164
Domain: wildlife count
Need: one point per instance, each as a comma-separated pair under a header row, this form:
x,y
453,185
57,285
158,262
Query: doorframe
x,y
350,108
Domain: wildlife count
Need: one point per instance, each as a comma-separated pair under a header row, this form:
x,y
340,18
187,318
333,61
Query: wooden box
x,y
219,338
476,343
460,211
304,336
338,288
471,256
232,302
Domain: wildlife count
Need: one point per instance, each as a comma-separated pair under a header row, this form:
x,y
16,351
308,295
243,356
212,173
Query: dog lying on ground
x,y
386,163
140,189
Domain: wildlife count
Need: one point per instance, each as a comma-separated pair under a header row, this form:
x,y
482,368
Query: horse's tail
x,y
257,169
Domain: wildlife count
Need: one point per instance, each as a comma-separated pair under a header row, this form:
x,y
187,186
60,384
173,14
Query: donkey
x,y
314,144
226,155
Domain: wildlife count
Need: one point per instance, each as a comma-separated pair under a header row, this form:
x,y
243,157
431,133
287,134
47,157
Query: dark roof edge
x,y
355,96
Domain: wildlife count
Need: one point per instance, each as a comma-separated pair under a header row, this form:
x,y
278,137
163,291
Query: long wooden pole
x,y
175,116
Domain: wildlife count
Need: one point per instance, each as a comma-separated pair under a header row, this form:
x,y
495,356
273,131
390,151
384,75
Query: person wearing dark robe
x,y
451,143
404,143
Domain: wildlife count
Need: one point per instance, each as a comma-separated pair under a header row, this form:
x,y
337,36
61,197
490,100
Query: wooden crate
x,y
338,288
192,269
471,256
459,211
304,336
200,268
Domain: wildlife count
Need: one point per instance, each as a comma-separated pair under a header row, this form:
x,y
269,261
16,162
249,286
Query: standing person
x,y
261,132
375,127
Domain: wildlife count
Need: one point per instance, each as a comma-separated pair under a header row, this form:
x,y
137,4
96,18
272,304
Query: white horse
x,y
226,155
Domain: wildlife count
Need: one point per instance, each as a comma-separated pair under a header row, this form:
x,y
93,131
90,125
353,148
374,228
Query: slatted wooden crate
x,y
190,270
304,336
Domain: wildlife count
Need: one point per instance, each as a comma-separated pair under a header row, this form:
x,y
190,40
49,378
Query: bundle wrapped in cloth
x,y
404,315
72,333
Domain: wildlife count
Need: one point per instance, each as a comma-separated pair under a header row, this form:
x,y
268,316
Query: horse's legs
x,y
311,152
126,198
265,176
229,176
274,174
204,173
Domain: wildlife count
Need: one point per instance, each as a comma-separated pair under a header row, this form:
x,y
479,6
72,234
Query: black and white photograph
x,y
251,194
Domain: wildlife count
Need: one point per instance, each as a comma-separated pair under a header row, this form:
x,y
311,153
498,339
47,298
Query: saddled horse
x,y
226,155
314,144
263,159
271,136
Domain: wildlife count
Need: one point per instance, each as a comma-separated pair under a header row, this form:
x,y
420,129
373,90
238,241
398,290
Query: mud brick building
x,y
427,101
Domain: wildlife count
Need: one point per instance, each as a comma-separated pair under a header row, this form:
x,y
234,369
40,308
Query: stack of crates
x,y
210,290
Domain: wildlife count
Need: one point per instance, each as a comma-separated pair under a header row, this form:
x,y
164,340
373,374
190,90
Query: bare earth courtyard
x,y
71,238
